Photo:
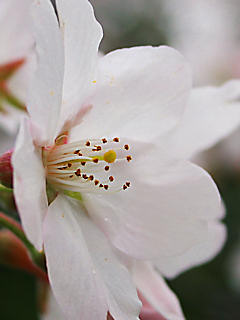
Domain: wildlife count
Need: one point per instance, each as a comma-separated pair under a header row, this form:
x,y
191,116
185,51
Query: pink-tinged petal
x,y
156,293
140,93
45,93
86,277
212,113
29,184
82,35
205,251
15,32
148,312
165,211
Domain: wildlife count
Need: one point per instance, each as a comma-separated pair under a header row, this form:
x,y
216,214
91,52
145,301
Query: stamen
x,y
78,173
82,166
129,158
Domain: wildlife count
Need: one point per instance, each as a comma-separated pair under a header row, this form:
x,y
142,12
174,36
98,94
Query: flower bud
x,y
14,254
6,170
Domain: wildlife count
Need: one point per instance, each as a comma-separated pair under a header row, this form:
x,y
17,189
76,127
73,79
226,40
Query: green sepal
x,y
3,188
74,195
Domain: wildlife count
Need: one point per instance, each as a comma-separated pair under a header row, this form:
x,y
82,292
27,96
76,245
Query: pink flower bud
x,y
6,170
14,254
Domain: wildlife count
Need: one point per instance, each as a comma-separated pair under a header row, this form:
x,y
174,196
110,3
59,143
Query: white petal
x,y
15,36
141,93
29,184
172,266
82,35
156,292
53,311
212,114
85,275
164,213
45,96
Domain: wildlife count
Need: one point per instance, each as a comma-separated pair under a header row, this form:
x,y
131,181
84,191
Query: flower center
x,y
87,166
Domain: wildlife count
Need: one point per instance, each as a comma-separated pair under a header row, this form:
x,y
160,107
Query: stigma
x,y
87,165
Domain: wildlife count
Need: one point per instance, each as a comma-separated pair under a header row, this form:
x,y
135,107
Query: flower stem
x,y
37,257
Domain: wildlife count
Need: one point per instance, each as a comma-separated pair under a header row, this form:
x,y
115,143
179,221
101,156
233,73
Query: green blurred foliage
x,y
18,295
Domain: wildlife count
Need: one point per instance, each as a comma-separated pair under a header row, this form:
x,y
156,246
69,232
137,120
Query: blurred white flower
x,y
206,33
116,181
15,68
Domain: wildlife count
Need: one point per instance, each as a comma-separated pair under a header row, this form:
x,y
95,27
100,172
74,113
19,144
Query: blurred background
x,y
207,33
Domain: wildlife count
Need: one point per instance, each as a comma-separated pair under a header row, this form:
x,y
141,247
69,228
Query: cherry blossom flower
x,y
93,177
15,66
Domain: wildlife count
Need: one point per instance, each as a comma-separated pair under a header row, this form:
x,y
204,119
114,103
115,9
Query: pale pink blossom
x,y
114,183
